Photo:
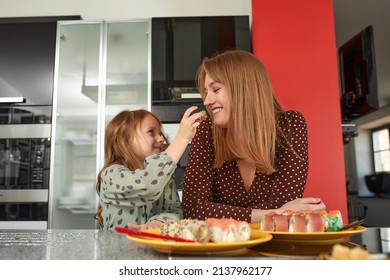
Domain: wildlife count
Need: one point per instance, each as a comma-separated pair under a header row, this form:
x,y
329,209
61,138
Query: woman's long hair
x,y
253,131
118,144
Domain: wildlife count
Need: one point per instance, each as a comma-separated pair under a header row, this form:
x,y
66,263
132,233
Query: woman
x,y
251,157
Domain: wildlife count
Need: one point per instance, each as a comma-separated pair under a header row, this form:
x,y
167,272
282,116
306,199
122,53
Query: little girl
x,y
136,186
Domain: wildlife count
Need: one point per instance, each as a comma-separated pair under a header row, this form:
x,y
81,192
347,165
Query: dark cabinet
x,y
27,56
178,46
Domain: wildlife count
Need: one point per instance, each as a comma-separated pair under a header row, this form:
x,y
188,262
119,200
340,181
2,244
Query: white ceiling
x,y
352,16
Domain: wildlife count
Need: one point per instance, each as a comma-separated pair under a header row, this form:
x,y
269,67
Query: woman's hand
x,y
148,225
298,204
305,203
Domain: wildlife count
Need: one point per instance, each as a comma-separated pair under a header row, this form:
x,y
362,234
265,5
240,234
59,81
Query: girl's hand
x,y
186,132
189,123
148,225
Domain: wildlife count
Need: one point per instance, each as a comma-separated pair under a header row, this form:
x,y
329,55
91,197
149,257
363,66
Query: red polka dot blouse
x,y
219,193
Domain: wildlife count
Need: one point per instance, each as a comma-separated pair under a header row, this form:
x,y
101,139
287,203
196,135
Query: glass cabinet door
x,y
102,68
72,190
127,67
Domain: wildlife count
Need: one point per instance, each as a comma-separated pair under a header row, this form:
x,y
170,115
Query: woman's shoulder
x,y
292,115
205,125
292,120
203,132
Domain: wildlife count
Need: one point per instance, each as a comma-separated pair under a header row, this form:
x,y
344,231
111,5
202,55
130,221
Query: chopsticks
x,y
152,235
353,224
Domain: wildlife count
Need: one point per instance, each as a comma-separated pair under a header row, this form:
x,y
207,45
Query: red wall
x,y
296,42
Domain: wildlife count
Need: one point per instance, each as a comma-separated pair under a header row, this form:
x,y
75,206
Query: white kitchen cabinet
x,y
102,68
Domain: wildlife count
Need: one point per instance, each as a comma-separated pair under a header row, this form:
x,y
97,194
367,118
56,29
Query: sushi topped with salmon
x,y
228,230
333,220
302,221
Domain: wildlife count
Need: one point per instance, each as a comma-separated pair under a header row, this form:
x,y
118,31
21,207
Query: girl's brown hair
x,y
253,131
118,144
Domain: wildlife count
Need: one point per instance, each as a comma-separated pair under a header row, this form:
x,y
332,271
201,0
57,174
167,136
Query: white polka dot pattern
x,y
221,193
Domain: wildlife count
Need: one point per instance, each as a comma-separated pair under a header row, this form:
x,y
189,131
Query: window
x,y
381,149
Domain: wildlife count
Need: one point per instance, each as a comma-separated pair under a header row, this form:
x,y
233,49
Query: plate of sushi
x,y
306,226
202,237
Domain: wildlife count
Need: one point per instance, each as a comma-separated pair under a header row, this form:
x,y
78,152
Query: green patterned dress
x,y
139,196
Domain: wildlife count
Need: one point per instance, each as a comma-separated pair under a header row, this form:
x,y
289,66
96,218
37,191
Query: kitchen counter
x,y
70,245
107,245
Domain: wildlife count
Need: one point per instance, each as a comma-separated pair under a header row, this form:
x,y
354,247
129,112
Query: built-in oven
x,y
24,165
27,65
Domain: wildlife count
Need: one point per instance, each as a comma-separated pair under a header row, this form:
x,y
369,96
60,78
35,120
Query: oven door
x,y
24,175
24,156
23,209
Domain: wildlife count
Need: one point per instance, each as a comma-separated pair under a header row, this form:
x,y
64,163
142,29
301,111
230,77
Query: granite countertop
x,y
88,245
62,244
71,245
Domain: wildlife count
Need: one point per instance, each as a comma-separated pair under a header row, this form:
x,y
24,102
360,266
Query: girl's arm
x,y
171,204
171,209
122,186
186,132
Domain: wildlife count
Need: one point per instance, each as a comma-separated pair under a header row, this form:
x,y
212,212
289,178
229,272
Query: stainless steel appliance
x,y
26,99
24,165
27,63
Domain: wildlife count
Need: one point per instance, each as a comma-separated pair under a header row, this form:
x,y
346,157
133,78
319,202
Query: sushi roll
x,y
302,221
170,228
303,212
333,220
221,230
288,212
228,230
315,222
243,230
267,223
196,230
298,223
190,229
281,222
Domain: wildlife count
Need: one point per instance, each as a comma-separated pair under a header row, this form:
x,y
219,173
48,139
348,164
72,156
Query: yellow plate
x,y
311,237
257,237
296,250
